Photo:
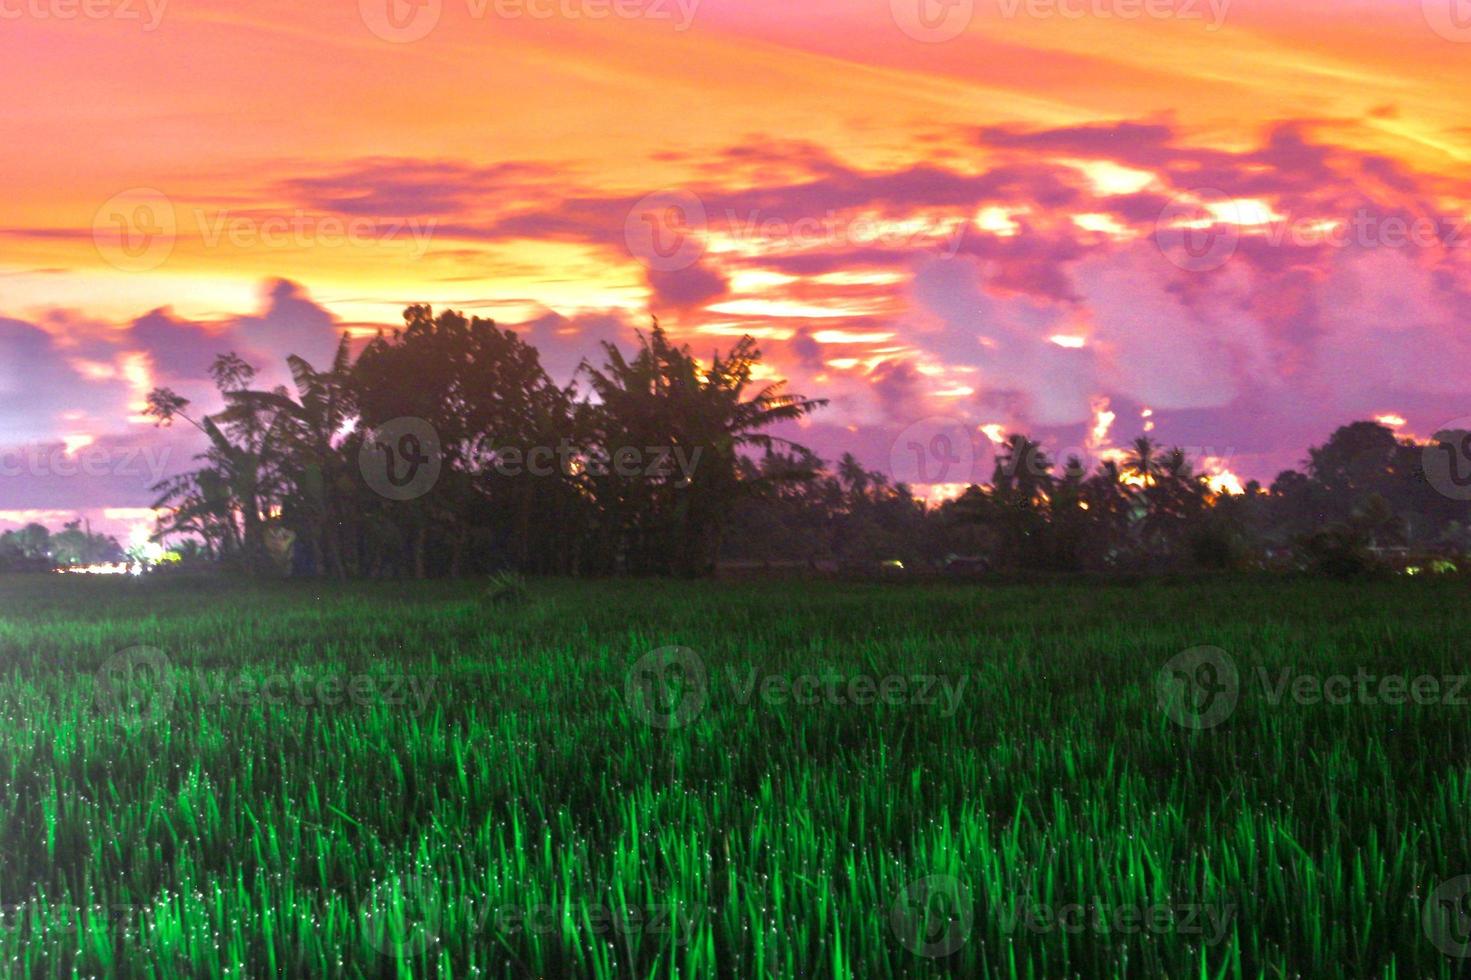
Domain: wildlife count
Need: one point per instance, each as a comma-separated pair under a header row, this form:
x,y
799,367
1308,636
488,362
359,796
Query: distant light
x,y
1068,340
1391,420
1220,479
103,568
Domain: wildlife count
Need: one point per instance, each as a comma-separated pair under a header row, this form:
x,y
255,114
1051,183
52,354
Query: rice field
x,y
1227,778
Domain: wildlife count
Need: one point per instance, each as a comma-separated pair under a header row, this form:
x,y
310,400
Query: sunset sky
x,y
1235,224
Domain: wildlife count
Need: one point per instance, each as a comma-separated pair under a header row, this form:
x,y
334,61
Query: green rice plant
x,y
649,779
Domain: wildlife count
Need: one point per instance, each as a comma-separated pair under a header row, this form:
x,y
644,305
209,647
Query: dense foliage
x,y
666,465
639,475
1363,502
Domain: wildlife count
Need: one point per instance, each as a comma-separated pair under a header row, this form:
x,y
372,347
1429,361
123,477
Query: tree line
x,y
1364,500
34,547
445,448
638,473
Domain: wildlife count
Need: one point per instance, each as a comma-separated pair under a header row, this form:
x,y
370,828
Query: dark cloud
x,y
683,288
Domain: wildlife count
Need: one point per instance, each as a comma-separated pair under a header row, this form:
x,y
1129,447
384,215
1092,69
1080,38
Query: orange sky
x,y
486,164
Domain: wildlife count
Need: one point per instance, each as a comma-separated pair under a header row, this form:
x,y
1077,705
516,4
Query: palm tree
x,y
1142,465
305,429
663,399
1021,489
239,480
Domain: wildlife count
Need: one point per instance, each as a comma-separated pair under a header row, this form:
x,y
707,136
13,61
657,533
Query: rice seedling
x,y
692,779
